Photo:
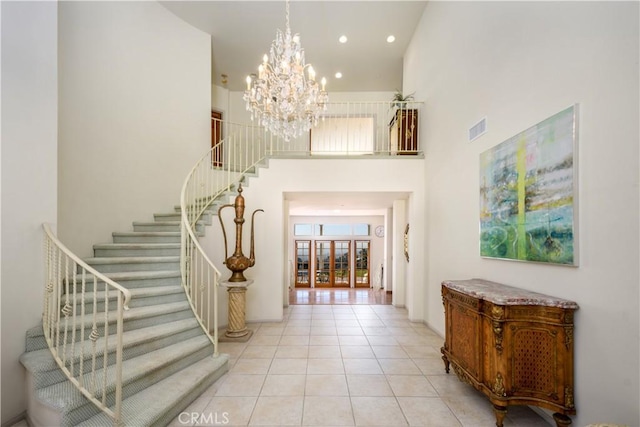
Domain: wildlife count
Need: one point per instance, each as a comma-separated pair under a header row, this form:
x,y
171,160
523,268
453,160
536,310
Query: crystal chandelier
x,y
280,97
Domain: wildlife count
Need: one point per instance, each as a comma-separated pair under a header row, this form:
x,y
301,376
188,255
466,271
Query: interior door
x,y
216,137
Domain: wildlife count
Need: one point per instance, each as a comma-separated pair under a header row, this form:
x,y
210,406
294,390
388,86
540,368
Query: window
x,y
336,229
342,229
302,230
361,229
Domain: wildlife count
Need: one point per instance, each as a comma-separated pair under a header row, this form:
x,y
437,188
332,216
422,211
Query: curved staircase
x,y
167,359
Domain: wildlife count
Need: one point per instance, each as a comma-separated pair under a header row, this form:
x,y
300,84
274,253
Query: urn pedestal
x,y
237,328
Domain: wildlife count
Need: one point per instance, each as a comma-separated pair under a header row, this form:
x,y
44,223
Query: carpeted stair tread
x,y
66,397
153,310
156,222
131,314
42,360
134,279
145,292
206,217
136,245
145,233
130,260
158,404
135,275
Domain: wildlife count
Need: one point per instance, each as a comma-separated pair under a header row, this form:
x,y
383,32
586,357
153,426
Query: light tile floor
x,y
343,365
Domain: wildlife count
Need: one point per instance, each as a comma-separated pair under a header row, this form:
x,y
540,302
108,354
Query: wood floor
x,y
350,296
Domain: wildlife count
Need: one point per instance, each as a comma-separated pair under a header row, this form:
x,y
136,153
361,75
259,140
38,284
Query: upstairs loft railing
x,y
345,129
361,129
77,303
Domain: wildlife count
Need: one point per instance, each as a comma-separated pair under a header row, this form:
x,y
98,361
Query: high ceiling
x,y
242,32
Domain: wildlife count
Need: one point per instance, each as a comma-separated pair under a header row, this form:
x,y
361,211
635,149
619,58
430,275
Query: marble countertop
x,y
500,294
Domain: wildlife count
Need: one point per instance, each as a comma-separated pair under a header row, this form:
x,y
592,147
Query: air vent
x,y
478,129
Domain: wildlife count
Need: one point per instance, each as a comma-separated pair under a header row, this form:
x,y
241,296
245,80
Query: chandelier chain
x,y
287,13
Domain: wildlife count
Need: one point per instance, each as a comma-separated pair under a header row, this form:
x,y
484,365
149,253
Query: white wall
x,y
29,144
220,100
518,63
135,101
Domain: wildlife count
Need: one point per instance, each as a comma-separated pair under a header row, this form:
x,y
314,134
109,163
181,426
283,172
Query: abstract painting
x,y
528,183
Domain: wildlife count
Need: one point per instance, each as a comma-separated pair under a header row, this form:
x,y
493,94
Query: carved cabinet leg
x,y
445,360
501,412
561,420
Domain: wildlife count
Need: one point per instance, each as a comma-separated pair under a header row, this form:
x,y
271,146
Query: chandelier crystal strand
x,y
280,96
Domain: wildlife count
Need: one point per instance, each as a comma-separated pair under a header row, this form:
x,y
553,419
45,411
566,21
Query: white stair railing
x,y
214,174
79,328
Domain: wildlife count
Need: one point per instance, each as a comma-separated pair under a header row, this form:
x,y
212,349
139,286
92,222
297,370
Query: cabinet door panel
x,y
535,361
465,343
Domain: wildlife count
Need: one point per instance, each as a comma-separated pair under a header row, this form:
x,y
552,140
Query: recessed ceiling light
x,y
342,39
391,39
338,75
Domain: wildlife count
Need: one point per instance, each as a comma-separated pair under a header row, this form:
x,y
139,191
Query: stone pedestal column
x,y
237,328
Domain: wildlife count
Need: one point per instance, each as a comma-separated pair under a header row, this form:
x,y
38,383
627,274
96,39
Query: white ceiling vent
x,y
477,130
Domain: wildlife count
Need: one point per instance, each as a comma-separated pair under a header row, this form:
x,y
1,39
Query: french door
x,y
332,263
303,253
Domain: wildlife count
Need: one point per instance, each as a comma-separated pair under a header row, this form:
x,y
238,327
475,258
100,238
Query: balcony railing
x,y
367,129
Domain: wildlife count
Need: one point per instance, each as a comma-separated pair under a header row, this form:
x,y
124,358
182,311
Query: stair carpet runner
x,y
167,358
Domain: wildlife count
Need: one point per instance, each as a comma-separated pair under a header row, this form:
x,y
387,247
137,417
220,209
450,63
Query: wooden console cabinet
x,y
513,345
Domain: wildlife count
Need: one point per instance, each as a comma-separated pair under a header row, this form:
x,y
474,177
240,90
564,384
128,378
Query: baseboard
x,y
437,332
545,414
20,417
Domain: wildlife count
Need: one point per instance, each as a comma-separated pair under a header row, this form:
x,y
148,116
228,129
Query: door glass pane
x,y
362,262
323,263
302,262
341,263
